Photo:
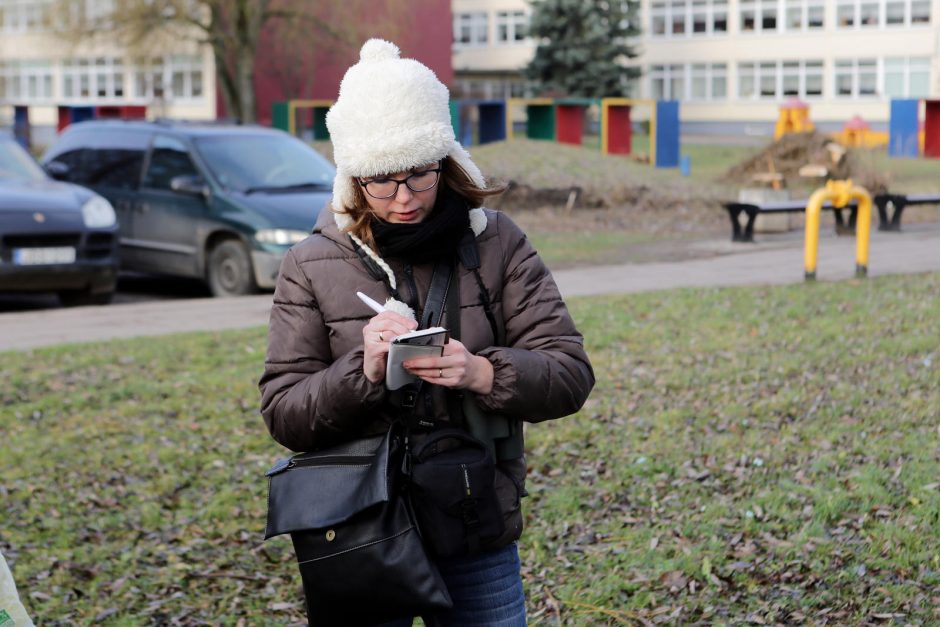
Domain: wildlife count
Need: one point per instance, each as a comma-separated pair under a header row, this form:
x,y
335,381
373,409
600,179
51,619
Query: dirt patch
x,y
803,160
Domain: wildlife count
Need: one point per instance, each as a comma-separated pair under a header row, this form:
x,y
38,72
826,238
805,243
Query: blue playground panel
x,y
903,129
667,134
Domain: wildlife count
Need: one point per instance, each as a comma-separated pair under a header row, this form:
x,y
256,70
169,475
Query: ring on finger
x,y
381,339
440,373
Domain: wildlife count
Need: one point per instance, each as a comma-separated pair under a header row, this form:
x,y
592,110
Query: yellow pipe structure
x,y
840,193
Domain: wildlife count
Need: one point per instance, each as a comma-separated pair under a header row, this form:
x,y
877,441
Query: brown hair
x,y
453,177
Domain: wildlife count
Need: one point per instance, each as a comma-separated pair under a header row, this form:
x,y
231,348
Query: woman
x,y
406,195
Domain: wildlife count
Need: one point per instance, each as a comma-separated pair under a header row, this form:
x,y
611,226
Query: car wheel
x,y
80,298
230,272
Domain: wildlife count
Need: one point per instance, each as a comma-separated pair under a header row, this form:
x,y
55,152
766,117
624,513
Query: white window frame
x,y
669,73
770,71
759,8
881,21
473,20
104,77
686,10
710,73
25,16
906,70
854,69
805,8
26,81
512,20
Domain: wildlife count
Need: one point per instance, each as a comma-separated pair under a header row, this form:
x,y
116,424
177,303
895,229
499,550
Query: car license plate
x,y
43,256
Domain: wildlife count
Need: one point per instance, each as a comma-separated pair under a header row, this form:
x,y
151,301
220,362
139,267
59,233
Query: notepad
x,y
422,343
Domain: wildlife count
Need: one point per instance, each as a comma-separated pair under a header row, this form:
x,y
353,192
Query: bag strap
x,y
407,397
469,254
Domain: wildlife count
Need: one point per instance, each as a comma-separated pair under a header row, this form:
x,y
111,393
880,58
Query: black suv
x,y
221,202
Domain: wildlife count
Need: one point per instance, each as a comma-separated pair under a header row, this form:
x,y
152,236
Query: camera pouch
x,y
453,493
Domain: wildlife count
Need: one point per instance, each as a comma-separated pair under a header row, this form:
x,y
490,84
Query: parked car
x,y
54,237
220,202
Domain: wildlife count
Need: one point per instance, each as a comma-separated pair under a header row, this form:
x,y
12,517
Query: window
x,y
25,81
470,29
186,77
774,80
845,13
868,14
169,159
179,77
667,82
511,26
758,16
894,13
856,77
681,18
920,12
25,16
813,79
677,21
93,79
802,15
907,77
102,158
876,13
709,81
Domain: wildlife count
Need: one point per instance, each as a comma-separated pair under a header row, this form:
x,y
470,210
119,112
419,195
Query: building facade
x,y
42,70
732,63
491,48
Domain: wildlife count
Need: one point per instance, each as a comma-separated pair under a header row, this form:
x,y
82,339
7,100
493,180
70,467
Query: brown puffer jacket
x,y
314,391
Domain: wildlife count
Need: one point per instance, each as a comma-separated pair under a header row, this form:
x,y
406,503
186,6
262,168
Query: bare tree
x,y
232,28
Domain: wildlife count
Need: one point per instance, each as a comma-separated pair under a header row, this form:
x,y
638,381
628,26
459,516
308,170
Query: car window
x,y
101,157
270,160
17,164
169,159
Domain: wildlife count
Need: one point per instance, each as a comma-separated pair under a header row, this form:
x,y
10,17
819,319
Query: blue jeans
x,y
486,589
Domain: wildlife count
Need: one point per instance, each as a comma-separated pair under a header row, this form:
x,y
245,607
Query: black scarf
x,y
436,237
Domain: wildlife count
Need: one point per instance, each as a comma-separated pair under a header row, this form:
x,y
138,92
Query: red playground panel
x,y
932,129
570,123
619,131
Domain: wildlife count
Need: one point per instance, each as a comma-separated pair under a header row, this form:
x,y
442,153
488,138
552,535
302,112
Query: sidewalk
x,y
773,262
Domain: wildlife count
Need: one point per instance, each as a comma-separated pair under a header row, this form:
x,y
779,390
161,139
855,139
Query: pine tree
x,y
583,46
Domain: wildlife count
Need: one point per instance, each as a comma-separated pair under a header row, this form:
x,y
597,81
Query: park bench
x,y
887,220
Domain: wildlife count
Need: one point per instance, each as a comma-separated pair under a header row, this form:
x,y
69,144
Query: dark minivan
x,y
221,202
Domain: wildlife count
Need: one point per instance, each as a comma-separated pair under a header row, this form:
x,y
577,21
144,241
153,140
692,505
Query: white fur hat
x,y
391,115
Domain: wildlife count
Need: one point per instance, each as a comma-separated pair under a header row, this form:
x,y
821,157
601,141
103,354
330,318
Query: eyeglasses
x,y
385,187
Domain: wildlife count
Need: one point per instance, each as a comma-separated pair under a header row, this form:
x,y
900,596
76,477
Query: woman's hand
x,y
457,368
376,337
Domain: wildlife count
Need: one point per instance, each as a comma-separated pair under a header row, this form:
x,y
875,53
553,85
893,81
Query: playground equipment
x,y
839,194
794,118
857,133
539,116
486,117
616,129
284,115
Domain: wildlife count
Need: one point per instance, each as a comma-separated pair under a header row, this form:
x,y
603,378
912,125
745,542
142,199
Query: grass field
x,y
749,456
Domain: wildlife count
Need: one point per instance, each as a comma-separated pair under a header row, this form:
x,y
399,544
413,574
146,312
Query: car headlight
x,y
98,213
282,237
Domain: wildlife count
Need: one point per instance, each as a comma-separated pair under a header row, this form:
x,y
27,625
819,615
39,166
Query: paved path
x,y
776,261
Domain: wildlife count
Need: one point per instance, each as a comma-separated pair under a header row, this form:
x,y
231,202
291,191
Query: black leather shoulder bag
x,y
361,557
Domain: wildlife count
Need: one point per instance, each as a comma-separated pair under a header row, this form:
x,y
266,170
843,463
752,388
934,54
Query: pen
x,y
374,306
